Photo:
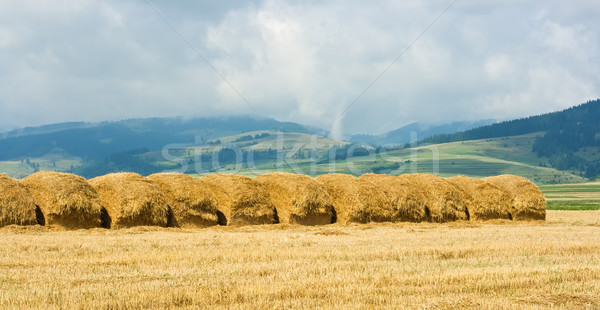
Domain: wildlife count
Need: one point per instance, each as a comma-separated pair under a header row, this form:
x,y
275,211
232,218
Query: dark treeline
x,y
583,115
565,133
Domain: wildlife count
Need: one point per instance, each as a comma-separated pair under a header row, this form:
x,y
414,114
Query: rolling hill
x,y
67,146
569,140
560,147
402,135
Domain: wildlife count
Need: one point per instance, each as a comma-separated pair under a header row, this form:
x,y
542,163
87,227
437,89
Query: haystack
x,y
446,203
528,202
132,200
298,198
192,203
357,200
66,200
408,201
17,206
241,199
486,201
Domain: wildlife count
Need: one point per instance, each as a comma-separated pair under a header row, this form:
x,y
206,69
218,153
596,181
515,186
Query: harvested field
x,y
486,201
132,200
17,206
498,265
446,203
242,200
299,199
356,200
528,202
66,200
192,202
407,199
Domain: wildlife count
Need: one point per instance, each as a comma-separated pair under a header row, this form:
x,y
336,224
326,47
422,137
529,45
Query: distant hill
x,y
556,147
99,140
582,118
402,135
45,129
569,138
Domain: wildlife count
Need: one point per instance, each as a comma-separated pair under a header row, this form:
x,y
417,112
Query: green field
x,y
477,158
53,161
572,196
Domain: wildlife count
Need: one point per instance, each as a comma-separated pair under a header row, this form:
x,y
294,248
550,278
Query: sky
x,y
345,66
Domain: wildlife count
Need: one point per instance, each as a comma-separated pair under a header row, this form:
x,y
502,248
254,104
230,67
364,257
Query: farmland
x,y
585,196
491,265
256,156
476,158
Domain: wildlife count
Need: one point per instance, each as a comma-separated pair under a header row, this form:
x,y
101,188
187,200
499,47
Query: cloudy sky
x,y
302,61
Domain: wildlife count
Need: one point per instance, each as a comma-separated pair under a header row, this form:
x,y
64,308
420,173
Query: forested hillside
x,y
563,136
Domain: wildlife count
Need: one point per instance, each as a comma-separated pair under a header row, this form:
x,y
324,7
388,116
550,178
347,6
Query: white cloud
x,y
300,61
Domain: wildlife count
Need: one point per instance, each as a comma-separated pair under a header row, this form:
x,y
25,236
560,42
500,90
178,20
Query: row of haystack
x,y
179,200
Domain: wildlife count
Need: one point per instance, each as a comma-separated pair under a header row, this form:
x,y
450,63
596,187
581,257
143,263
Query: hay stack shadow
x,y
17,206
527,200
132,200
408,201
485,200
445,202
242,200
192,202
66,200
356,200
299,199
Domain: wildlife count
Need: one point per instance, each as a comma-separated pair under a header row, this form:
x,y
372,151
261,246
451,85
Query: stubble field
x,y
492,265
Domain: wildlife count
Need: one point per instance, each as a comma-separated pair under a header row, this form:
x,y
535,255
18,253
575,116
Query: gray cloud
x,y
295,60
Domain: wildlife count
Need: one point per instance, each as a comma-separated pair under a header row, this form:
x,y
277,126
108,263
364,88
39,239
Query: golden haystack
x,y
486,201
407,200
528,202
17,206
357,200
241,199
66,200
132,200
298,198
193,204
446,203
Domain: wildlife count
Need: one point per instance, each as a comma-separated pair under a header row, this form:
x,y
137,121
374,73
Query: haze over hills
x,y
98,140
421,131
556,147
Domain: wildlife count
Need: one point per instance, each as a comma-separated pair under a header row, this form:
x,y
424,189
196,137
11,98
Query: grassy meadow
x,y
481,158
476,158
585,196
492,265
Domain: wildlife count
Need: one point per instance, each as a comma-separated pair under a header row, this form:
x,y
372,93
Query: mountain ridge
x,y
402,135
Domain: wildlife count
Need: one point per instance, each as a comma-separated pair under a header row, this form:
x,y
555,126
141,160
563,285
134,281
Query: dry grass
x,y
497,265
132,200
298,198
485,200
356,200
17,206
242,200
528,202
66,200
192,203
446,203
407,199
